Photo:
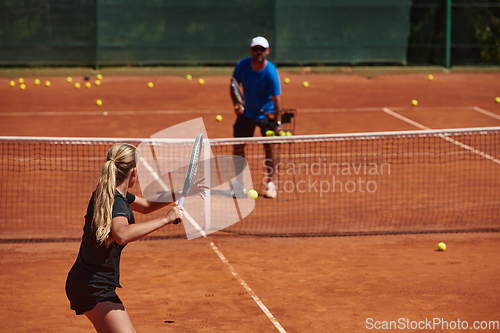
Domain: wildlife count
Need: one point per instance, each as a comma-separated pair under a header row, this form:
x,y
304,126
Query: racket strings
x,y
193,164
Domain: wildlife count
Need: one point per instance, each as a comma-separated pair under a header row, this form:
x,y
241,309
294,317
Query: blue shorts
x,y
245,127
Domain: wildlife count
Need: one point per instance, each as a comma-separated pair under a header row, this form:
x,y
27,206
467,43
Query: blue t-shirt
x,y
258,87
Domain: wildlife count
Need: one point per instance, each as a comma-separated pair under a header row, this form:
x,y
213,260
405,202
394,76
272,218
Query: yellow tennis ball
x,y
414,102
441,246
37,82
430,77
12,83
69,79
201,81
151,85
22,86
99,76
287,80
98,102
47,83
282,133
218,117
77,85
97,82
305,84
497,99
288,133
252,194
189,77
270,133
21,80
88,84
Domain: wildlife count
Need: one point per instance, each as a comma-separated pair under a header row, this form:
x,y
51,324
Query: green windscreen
x,y
342,31
47,32
180,31
218,32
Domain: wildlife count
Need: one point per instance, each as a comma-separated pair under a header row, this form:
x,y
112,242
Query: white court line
x,y
426,108
380,109
488,113
339,110
248,289
225,111
219,253
108,113
455,142
408,120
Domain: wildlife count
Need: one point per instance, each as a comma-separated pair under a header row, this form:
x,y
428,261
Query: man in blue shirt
x,y
262,93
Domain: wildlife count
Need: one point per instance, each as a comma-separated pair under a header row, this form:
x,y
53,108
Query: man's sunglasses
x,y
258,48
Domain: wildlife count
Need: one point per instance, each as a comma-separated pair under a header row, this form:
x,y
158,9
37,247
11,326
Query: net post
x,y
207,161
96,36
448,34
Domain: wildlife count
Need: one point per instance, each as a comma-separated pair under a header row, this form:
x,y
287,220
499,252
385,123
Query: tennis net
x,y
354,184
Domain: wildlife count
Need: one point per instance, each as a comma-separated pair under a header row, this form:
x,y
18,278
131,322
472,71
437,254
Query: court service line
x,y
223,111
403,118
108,113
455,142
378,109
248,289
488,113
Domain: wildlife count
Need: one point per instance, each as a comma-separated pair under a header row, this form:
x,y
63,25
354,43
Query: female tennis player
x,y
109,226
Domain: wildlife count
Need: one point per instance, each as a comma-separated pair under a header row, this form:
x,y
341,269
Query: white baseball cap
x,y
261,41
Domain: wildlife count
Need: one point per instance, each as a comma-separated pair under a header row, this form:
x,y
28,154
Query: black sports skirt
x,y
84,297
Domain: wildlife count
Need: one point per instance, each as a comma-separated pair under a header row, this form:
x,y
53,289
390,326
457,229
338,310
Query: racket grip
x,y
180,203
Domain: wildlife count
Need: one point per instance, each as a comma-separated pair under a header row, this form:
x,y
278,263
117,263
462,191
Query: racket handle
x,y
180,203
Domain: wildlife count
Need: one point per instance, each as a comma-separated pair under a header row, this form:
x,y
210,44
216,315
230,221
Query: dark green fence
x,y
458,32
152,32
40,32
195,32
341,31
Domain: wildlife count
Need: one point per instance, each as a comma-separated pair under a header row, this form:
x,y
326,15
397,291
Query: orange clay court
x,y
307,284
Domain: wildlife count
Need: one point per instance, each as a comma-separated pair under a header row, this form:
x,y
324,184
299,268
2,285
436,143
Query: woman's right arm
x,y
124,233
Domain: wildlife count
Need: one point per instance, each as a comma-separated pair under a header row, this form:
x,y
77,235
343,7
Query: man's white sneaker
x,y
271,191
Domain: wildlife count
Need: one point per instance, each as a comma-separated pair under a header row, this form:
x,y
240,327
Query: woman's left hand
x,y
198,189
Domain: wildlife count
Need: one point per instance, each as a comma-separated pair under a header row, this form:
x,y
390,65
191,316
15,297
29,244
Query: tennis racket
x,y
192,170
236,92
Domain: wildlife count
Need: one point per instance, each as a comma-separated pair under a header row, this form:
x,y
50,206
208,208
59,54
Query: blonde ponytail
x,y
120,162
